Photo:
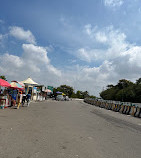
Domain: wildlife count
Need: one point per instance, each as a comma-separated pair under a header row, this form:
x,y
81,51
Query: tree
x,y
79,94
3,77
65,89
137,89
85,94
69,91
124,83
138,81
123,91
110,86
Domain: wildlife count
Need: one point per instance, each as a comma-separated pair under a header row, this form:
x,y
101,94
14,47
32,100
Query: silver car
x,y
60,98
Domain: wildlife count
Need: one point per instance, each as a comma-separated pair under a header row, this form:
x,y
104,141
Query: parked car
x,y
60,98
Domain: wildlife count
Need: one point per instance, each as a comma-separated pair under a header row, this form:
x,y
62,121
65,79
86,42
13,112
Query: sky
x,y
84,44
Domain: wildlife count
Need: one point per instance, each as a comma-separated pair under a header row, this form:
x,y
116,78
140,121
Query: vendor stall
x,y
29,86
16,93
4,96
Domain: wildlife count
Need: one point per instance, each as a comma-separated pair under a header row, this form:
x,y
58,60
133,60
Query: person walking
x,y
28,97
23,98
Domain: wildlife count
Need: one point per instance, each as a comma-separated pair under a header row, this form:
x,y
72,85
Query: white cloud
x,y
1,37
113,3
35,53
117,59
127,65
101,37
83,54
88,29
112,44
33,62
21,34
89,55
92,79
1,21
87,78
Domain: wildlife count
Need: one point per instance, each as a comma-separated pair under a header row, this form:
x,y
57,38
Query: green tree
x,y
138,81
65,89
123,91
124,83
137,90
3,77
85,94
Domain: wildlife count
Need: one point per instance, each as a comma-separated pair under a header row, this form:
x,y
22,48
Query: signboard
x,y
50,88
35,90
43,88
38,89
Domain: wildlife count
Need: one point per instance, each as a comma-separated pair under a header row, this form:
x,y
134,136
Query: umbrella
x,y
4,83
19,83
16,85
59,92
48,91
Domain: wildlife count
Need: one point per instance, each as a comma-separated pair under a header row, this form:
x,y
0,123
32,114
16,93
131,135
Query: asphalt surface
x,y
71,129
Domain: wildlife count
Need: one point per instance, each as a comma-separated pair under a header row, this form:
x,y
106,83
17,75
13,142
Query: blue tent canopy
x,y
59,92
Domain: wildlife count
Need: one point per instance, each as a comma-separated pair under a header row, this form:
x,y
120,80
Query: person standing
x,y
19,99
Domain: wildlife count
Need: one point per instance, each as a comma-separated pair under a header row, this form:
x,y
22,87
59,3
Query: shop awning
x,y
4,83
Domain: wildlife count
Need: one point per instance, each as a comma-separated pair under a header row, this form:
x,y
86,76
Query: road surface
x,y
71,129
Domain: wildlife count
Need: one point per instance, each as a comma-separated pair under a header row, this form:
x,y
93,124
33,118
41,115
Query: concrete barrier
x,y
110,106
118,107
128,110
125,109
103,105
106,106
137,112
121,109
132,111
113,107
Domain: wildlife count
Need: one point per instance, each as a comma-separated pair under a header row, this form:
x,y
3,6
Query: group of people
x,y
26,98
14,98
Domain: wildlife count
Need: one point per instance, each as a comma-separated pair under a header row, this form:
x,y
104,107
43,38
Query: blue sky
x,y
85,44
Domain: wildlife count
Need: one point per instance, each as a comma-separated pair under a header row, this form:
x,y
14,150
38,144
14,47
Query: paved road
x,y
71,129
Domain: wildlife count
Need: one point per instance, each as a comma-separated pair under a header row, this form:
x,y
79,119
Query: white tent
x,y
29,81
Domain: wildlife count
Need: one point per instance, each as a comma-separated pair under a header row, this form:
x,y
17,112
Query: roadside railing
x,y
128,108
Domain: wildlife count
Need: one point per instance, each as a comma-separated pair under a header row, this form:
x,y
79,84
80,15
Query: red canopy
x,y
4,83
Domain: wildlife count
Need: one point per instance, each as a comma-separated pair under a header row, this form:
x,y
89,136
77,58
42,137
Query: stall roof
x,y
29,81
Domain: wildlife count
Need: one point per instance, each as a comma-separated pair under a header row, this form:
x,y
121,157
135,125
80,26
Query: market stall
x,y
29,86
16,91
4,96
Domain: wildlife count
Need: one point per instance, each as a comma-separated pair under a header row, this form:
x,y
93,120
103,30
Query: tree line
x,y
124,90
69,91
